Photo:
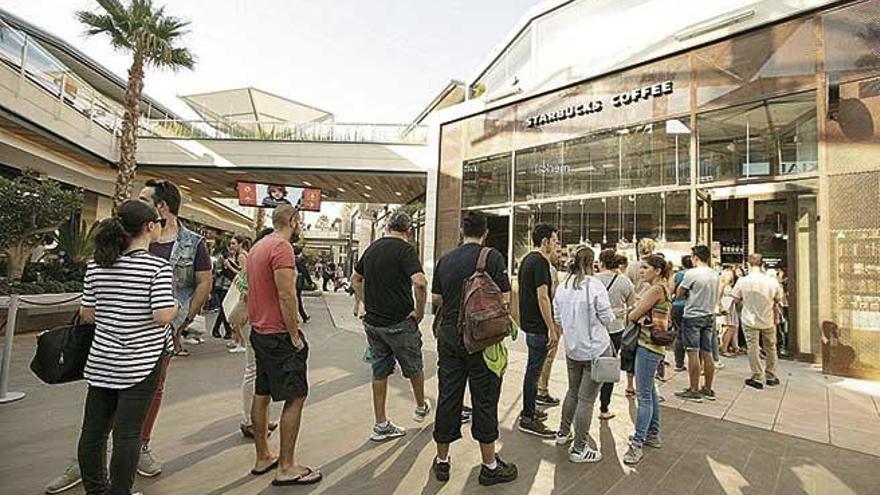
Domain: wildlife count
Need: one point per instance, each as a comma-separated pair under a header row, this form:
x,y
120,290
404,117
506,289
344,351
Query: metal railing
x,y
41,68
285,131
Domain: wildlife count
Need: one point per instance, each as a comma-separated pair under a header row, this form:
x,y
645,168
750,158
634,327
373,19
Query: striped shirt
x,y
127,343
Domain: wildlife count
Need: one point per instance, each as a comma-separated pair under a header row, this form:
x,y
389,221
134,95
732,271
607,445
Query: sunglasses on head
x,y
161,222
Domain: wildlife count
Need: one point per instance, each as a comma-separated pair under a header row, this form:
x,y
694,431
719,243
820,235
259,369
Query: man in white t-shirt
x,y
759,294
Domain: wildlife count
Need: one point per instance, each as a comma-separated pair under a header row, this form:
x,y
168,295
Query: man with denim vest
x,y
191,262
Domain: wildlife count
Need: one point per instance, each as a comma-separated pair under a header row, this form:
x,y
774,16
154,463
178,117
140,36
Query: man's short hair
x,y
281,215
400,221
756,259
474,224
701,252
686,262
542,231
167,191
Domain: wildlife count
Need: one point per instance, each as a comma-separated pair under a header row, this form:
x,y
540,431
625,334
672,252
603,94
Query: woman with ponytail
x,y
652,310
127,293
582,308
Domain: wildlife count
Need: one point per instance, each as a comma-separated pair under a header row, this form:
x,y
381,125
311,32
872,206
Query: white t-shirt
x,y
759,292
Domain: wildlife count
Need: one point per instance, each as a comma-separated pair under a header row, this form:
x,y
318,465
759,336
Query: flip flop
x,y
260,472
306,478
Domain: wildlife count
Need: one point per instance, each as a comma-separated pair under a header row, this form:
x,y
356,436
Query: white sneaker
x,y
230,344
147,465
587,455
386,432
236,350
192,341
564,439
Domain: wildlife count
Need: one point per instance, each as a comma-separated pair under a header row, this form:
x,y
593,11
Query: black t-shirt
x,y
387,267
452,272
534,271
202,262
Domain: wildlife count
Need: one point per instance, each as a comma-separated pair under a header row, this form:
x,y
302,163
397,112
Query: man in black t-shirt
x,y
536,320
385,278
457,367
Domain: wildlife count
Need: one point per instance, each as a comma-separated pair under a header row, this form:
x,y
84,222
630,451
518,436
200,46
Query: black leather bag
x,y
62,352
629,343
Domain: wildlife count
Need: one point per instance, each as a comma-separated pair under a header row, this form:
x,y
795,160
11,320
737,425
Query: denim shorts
x,y
401,342
699,333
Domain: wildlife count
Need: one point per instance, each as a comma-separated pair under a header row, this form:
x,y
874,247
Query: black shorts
x,y
281,369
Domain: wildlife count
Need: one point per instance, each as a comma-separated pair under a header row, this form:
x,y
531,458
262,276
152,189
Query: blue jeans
x,y
537,345
648,417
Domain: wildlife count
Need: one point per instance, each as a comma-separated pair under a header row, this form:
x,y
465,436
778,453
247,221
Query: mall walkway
x,y
197,437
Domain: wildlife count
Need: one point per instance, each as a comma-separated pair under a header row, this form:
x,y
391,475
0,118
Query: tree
x,y
30,209
152,38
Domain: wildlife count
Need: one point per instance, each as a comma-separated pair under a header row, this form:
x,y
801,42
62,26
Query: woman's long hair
x,y
244,242
114,234
580,266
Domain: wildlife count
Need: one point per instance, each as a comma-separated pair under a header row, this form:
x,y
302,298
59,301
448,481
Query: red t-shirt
x,y
264,311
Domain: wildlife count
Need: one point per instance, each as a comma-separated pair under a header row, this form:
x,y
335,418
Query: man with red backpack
x,y
462,334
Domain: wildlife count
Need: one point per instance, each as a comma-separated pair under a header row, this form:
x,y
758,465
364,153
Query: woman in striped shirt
x,y
127,293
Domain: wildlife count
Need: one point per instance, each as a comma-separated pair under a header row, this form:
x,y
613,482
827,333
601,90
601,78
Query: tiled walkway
x,y
197,437
827,409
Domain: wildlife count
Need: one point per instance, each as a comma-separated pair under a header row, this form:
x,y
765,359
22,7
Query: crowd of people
x,y
151,276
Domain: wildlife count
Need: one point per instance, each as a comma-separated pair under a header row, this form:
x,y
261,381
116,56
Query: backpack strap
x,y
481,261
613,279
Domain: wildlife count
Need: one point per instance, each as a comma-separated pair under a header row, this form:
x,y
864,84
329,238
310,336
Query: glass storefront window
x,y
540,172
775,137
486,181
852,35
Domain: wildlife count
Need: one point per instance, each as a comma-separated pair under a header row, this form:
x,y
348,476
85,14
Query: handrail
x,y
40,67
284,131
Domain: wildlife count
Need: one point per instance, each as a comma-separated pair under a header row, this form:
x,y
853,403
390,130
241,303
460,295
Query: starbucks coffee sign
x,y
654,91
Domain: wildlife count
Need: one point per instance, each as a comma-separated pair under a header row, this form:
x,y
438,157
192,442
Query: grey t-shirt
x,y
618,293
702,286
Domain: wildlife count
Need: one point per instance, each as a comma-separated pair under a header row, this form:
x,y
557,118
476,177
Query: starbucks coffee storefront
x,y
768,141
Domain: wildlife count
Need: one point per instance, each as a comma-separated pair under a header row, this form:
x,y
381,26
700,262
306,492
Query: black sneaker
x,y
547,400
535,426
441,470
708,393
755,384
503,473
773,382
466,414
541,415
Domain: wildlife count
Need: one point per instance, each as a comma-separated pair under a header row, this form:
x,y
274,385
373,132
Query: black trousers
x,y
456,370
221,316
300,306
608,388
123,411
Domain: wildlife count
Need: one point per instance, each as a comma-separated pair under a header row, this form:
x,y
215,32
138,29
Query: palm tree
x,y
153,39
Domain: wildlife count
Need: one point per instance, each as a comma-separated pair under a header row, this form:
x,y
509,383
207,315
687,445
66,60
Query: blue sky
x,y
364,60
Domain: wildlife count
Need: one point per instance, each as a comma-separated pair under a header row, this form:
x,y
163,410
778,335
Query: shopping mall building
x,y
749,127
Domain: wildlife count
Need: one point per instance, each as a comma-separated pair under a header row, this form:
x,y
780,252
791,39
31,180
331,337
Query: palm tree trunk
x,y
127,168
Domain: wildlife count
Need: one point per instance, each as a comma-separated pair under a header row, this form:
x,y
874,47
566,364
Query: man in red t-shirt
x,y
280,349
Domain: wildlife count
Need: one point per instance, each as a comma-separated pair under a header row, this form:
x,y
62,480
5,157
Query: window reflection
x,y
486,181
774,137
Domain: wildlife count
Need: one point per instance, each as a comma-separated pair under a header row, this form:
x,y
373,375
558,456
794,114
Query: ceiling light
x,y
340,189
307,183
194,180
185,187
398,193
324,196
368,188
366,195
218,193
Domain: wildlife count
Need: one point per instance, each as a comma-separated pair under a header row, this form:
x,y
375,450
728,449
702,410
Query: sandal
x,y
310,477
260,472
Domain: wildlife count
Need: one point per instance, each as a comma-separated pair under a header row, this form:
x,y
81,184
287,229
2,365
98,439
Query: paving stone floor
x,y
197,433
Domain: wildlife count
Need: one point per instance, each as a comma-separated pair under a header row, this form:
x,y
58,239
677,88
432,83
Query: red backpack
x,y
483,320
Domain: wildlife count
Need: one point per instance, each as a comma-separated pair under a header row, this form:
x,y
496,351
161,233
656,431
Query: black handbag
x,y
62,352
629,343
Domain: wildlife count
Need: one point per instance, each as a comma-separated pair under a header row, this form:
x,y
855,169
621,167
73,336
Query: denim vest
x,y
183,257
